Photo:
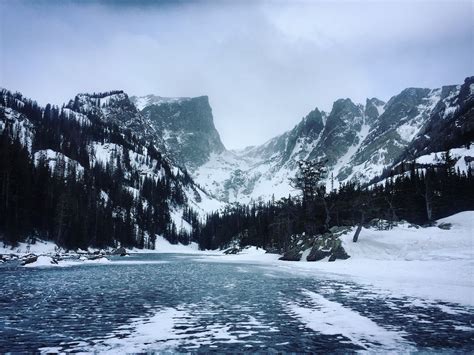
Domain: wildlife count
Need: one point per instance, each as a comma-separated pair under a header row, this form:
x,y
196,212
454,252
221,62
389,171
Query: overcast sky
x,y
263,64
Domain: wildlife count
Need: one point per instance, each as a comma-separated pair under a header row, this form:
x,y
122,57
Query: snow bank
x,y
429,262
43,261
165,247
248,254
47,261
40,247
407,243
102,260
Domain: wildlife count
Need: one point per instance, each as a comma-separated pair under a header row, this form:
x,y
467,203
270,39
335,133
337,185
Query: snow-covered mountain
x,y
103,137
358,141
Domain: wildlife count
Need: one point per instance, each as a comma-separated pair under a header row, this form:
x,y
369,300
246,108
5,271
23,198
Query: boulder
x,y
327,245
445,226
321,247
338,253
28,259
317,254
120,251
232,250
271,250
292,255
297,245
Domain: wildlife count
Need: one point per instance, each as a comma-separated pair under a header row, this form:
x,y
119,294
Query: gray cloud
x,y
263,64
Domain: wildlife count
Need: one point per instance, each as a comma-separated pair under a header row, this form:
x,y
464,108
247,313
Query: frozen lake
x,y
159,302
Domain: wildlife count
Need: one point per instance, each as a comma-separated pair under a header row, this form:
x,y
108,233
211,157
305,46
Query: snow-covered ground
x,y
431,263
48,261
49,248
40,247
462,157
162,246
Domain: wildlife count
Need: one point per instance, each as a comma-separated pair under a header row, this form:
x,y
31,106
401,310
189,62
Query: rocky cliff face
x,y
181,128
185,125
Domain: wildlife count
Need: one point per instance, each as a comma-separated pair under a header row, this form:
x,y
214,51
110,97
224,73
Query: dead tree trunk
x,y
359,227
428,196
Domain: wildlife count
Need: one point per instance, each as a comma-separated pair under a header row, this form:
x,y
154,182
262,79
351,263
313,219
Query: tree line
x,y
418,195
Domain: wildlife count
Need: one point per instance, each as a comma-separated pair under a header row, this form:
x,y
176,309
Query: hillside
x,y
81,175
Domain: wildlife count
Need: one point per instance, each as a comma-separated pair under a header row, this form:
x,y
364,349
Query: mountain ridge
x,y
359,141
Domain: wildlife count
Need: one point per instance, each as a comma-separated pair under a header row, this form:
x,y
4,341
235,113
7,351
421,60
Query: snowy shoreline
x,y
432,263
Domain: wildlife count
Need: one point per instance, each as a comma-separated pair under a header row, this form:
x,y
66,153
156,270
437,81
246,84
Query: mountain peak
x,y
343,108
373,109
187,127
313,121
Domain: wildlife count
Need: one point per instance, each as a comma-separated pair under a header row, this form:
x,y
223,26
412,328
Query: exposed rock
x,y
298,244
95,257
120,251
317,254
292,255
233,250
322,246
445,226
327,245
273,251
28,259
187,125
339,253
339,229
